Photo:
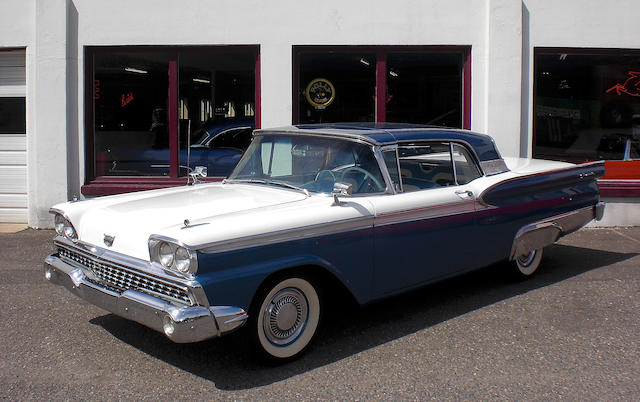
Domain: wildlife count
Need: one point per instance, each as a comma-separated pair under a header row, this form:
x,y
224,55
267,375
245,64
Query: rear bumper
x,y
599,211
182,324
547,231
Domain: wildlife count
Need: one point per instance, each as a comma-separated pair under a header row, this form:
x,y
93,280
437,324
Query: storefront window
x,y
425,88
587,105
402,84
130,97
217,91
337,87
161,111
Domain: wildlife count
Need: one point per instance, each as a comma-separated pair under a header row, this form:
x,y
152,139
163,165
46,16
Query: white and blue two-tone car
x,y
375,210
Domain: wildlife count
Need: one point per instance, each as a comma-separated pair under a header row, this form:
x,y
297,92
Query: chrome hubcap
x,y
285,316
526,259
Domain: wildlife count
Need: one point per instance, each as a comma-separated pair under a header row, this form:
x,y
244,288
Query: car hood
x,y
132,218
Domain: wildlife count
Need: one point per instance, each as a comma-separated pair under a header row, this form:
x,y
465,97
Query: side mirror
x,y
341,189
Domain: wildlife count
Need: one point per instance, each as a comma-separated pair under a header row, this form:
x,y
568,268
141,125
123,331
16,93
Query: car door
x,y
427,230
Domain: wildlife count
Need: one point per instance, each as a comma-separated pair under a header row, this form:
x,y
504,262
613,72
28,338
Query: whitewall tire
x,y
286,318
527,264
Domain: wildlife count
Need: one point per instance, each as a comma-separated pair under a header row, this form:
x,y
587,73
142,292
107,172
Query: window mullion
x,y
381,87
172,108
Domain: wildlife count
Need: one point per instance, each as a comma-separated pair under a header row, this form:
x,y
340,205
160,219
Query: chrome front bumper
x,y
181,324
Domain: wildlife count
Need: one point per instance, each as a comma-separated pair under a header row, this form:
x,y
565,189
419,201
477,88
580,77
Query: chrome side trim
x,y
181,324
430,212
547,231
322,229
494,166
377,153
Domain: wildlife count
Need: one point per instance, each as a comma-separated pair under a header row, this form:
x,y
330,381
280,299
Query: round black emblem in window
x,y
320,93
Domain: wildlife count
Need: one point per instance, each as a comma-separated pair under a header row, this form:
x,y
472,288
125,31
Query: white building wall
x,y
501,33
585,24
17,32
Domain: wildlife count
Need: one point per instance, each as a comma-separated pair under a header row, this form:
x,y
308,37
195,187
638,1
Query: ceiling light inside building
x,y
202,80
135,70
365,62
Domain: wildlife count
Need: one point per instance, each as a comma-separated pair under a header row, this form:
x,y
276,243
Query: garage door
x,y
13,139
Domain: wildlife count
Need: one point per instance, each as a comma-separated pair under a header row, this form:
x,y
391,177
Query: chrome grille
x,y
119,278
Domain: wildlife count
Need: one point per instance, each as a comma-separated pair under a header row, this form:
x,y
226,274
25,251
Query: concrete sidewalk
x,y
12,227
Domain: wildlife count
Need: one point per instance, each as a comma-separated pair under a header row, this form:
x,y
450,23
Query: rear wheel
x,y
527,264
285,317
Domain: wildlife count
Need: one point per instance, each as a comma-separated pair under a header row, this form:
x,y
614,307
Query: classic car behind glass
x,y
217,145
373,209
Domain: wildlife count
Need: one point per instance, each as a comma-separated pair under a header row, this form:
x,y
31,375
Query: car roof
x,y
394,133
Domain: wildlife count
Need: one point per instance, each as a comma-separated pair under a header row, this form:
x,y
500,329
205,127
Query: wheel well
x,y
325,280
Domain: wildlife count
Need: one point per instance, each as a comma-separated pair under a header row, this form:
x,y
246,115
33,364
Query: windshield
x,y
311,163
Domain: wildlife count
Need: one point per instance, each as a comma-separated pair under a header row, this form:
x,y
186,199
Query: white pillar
x,y
47,142
504,75
276,65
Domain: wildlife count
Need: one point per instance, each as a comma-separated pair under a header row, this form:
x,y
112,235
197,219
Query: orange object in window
x,y
622,170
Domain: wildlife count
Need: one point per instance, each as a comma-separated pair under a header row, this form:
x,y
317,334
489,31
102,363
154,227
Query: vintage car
x,y
217,145
375,210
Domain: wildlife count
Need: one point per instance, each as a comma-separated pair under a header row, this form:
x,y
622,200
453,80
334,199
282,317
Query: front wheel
x,y
285,318
527,264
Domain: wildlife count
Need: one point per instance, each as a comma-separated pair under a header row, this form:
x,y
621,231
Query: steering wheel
x,y
366,175
322,173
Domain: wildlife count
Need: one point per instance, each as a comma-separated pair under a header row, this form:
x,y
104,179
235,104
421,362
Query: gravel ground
x,y
571,333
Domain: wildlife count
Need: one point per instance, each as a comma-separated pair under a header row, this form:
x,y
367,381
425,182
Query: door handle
x,y
583,176
465,194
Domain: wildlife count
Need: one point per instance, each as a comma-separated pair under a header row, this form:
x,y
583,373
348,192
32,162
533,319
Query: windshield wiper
x,y
264,181
258,181
291,186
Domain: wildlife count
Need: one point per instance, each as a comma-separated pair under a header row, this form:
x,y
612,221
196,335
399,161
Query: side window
x,y
424,166
391,161
466,168
277,159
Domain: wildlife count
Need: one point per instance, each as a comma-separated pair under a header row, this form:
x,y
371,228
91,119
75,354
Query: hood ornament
x,y
108,240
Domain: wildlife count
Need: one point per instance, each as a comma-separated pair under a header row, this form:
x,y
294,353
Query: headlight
x,y
59,222
165,253
183,259
64,227
173,256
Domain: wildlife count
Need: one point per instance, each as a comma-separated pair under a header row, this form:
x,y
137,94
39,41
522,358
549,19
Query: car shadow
x,y
230,366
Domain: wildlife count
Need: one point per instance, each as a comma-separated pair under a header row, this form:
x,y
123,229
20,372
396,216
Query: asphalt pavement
x,y
570,333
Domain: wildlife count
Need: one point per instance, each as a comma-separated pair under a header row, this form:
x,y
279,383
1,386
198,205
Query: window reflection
x,y
130,95
586,105
132,128
425,88
217,91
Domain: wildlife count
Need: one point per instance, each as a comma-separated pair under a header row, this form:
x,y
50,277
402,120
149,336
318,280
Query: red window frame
x,y
381,73
622,178
103,185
